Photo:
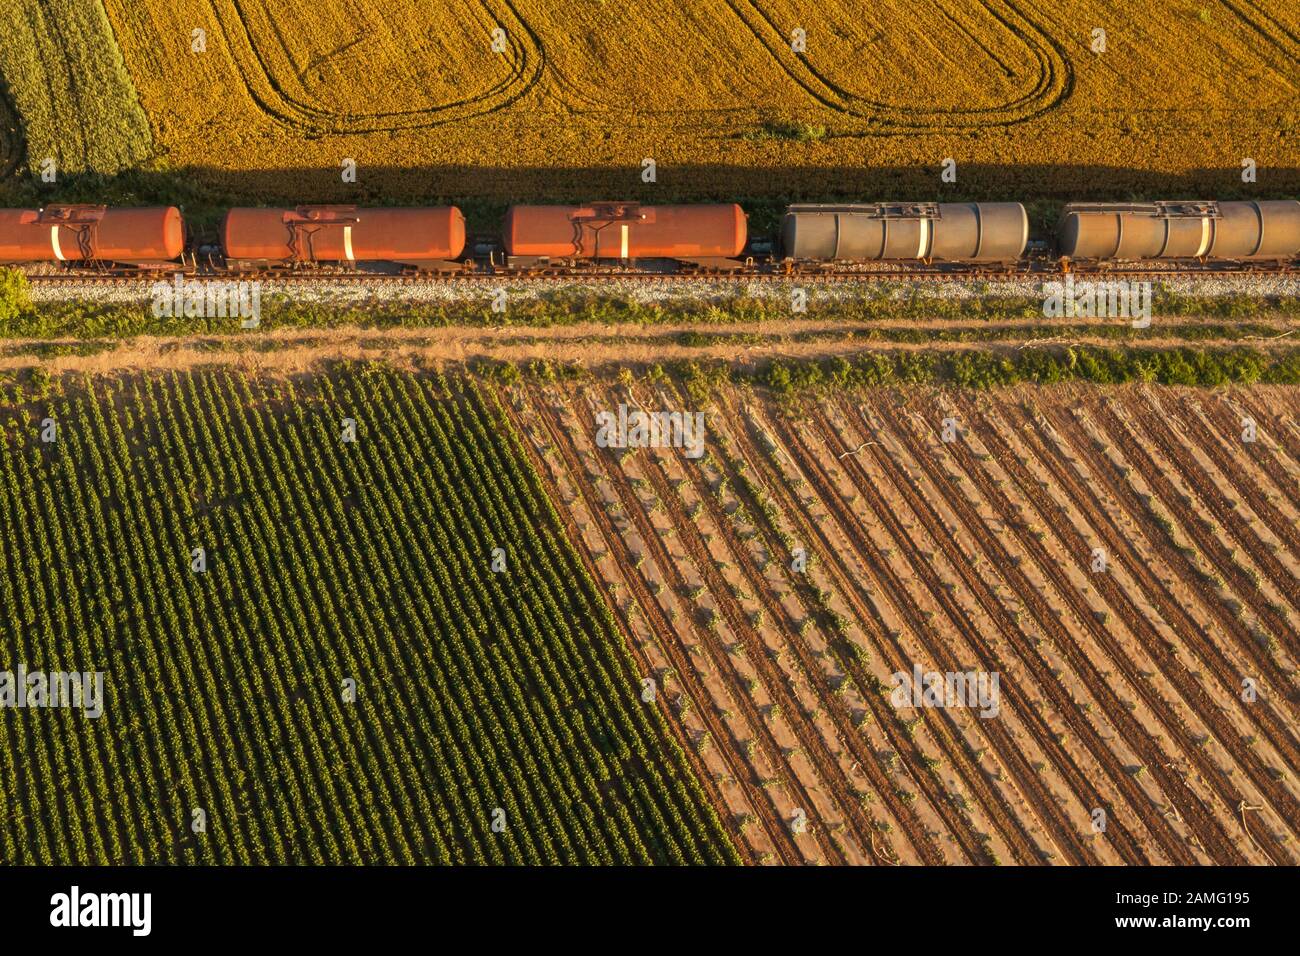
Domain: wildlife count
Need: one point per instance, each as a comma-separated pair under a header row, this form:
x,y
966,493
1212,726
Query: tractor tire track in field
x,y
1053,83
676,582
776,611
1273,32
943,727
762,803
1124,842
1086,501
527,64
643,664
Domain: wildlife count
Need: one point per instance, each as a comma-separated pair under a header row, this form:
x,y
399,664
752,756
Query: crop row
x,y
496,716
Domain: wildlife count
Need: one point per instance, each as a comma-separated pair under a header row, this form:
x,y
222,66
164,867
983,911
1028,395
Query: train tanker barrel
x,y
953,232
86,233
1180,230
616,230
423,237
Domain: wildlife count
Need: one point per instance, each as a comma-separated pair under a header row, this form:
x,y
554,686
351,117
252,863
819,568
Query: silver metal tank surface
x,y
1181,230
966,232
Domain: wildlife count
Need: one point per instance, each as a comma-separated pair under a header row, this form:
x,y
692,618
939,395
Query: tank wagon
x,y
423,238
954,232
92,235
962,238
703,234
1180,230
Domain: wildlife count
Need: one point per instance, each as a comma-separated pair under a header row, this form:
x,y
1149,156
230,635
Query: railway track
x,y
759,272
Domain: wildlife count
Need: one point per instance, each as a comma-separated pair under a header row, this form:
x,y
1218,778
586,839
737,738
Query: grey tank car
x,y
949,232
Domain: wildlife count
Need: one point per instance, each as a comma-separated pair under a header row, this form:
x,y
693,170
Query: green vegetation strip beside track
x,y
1044,366
971,368
326,560
65,76
20,317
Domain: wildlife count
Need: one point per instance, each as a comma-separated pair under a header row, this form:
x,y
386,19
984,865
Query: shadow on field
x,y
485,192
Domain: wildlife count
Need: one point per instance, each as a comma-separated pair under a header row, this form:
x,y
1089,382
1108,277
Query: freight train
x,y
707,237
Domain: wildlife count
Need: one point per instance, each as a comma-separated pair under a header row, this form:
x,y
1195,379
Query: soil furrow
x,y
1121,549
810,738
760,801
1010,632
1121,839
1009,753
1209,653
739,694
643,664
943,728
850,737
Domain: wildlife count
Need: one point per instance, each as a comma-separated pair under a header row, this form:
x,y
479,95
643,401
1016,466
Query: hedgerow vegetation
x,y
70,87
970,368
15,297
1043,366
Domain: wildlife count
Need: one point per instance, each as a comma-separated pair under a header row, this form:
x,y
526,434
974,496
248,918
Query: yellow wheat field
x,y
573,96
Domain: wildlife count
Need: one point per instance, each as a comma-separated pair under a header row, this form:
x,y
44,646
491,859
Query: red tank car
x,y
421,237
611,230
84,233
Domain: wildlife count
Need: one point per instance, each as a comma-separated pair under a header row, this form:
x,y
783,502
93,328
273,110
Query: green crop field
x,y
481,697
10,134
65,74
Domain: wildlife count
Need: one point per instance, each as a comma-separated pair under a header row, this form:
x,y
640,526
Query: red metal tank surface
x,y
625,231
344,234
91,233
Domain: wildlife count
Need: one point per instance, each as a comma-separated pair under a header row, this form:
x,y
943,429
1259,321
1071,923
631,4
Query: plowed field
x,y
1159,690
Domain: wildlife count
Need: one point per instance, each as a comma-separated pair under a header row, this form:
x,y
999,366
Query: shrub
x,y
15,295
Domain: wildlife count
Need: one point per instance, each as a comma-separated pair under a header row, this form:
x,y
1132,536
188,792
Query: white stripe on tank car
x,y
1205,237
